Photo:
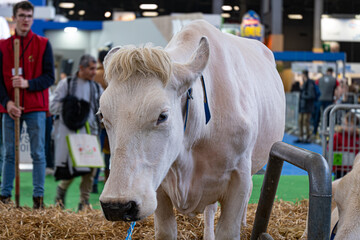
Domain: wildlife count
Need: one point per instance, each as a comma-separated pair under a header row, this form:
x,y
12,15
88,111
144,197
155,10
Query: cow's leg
x,y
164,220
245,213
233,205
209,217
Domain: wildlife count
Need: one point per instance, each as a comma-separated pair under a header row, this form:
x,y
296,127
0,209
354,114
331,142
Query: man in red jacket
x,y
36,75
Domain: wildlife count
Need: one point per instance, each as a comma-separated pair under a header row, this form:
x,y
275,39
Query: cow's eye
x,y
162,118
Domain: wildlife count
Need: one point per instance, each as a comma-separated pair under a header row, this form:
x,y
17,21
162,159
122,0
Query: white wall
x,y
119,33
135,32
77,40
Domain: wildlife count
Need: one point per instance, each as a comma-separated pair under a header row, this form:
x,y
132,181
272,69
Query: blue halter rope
x,y
130,231
206,104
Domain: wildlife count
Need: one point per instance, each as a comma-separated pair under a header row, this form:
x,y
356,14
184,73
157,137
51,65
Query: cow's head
x,y
142,113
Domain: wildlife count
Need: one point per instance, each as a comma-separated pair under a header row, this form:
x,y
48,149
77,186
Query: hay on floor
x,y
287,222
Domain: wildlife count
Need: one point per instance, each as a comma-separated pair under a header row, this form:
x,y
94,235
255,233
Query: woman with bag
x,y
75,102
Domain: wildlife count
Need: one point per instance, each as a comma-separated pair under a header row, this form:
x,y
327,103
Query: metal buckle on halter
x,y
189,94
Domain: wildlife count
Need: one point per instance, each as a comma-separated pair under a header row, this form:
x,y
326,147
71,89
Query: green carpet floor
x,y
72,196
291,188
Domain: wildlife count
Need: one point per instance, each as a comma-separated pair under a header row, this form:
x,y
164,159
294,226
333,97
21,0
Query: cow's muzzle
x,y
120,212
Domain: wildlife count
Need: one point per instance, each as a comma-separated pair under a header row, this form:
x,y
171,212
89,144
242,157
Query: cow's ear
x,y
109,55
200,58
193,69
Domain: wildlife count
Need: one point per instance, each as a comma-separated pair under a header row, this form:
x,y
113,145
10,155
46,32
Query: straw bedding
x,y
287,222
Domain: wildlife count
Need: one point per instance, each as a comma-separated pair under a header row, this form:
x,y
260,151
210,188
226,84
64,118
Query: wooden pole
x,y
17,126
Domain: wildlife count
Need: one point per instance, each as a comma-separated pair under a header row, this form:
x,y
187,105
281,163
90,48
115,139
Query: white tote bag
x,y
84,150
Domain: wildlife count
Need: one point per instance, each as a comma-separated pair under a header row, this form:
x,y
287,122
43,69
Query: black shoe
x,y
298,141
84,205
38,202
60,197
5,199
95,188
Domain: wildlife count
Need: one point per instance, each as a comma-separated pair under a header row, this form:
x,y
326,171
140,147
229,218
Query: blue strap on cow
x,y
333,232
206,105
130,231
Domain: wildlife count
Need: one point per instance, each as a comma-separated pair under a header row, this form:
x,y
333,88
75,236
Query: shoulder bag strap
x,y
71,89
87,127
68,79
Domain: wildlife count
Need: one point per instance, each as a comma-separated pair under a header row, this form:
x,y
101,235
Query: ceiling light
x,y
150,14
295,16
71,12
225,15
123,16
148,6
67,5
70,29
226,8
81,12
107,14
236,8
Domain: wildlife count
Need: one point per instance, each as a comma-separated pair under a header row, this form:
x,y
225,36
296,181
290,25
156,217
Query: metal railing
x,y
348,147
292,111
319,191
325,130
351,98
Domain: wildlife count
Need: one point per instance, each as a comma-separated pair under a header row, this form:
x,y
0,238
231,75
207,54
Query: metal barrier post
x,y
330,156
325,132
353,95
292,111
319,191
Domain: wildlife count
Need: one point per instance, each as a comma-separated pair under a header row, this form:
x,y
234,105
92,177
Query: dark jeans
x,y
35,126
49,143
320,106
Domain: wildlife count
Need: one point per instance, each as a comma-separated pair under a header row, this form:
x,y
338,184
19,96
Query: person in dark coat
x,y
327,85
306,105
295,87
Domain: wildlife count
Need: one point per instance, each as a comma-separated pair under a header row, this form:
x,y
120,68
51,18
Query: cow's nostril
x,y
129,205
119,211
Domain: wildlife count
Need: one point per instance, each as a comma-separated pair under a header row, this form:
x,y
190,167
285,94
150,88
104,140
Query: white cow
x,y
346,195
155,164
345,206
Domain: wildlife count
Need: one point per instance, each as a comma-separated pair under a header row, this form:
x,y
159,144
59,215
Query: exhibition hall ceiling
x,y
95,9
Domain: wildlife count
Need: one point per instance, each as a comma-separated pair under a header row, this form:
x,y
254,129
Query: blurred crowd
x,y
69,109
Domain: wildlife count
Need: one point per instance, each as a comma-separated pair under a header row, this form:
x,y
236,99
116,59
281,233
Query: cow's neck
x,y
180,184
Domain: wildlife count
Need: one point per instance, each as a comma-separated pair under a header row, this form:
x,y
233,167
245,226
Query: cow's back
x,y
244,90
